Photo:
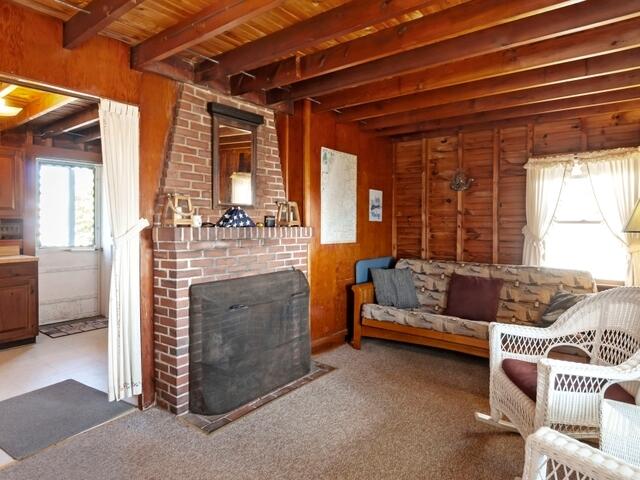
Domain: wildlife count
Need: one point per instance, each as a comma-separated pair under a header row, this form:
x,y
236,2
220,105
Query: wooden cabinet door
x,y
11,182
18,309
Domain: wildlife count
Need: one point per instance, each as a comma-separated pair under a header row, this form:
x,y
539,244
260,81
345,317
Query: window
x,y
578,230
67,204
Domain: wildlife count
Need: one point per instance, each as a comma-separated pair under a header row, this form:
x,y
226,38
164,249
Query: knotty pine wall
x,y
332,267
484,223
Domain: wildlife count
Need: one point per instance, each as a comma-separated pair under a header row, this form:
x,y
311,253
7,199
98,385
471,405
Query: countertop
x,y
17,259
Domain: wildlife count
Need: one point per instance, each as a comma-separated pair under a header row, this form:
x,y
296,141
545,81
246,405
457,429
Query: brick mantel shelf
x,y
186,256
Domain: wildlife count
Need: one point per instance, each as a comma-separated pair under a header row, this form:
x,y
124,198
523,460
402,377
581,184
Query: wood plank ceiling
x,y
49,115
401,68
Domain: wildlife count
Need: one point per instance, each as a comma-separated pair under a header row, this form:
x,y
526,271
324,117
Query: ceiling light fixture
x,y
8,111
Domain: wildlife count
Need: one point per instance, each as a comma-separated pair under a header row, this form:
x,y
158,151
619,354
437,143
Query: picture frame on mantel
x,y
375,205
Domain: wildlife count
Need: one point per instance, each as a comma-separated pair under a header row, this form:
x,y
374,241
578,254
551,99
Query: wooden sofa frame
x,y
367,327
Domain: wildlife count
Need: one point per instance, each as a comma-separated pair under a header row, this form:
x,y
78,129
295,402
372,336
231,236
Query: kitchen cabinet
x,y
18,300
11,182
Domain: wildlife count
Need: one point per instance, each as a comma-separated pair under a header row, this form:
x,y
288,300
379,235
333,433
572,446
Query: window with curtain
x,y
578,237
67,205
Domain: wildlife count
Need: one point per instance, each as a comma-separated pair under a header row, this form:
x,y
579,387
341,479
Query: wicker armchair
x,y
554,456
568,397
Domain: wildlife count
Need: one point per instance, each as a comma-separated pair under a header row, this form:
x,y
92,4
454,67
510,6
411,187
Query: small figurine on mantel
x,y
288,214
178,211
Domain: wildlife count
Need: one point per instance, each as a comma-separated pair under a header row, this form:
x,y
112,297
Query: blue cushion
x,y
363,275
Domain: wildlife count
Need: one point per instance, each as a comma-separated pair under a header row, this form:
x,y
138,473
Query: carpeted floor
x,y
390,411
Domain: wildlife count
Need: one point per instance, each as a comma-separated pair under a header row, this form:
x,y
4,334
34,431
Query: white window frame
x,y
97,180
599,281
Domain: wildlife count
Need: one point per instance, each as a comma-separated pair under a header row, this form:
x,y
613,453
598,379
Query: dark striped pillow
x,y
560,303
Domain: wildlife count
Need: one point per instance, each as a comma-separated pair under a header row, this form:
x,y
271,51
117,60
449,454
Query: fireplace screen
x,y
247,337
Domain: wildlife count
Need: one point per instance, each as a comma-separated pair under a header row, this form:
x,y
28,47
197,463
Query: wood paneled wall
x,y
32,50
332,267
484,224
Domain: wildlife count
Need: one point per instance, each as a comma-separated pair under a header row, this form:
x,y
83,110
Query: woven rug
x,y
71,327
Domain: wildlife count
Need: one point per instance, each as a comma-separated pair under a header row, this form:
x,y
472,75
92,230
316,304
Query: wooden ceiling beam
x,y
90,135
607,39
618,110
605,83
83,26
42,105
452,22
342,20
515,112
576,70
211,21
73,122
582,16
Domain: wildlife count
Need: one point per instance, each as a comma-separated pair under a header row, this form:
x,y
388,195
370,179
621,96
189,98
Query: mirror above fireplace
x,y
234,138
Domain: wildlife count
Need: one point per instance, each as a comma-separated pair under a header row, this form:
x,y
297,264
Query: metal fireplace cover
x,y
247,337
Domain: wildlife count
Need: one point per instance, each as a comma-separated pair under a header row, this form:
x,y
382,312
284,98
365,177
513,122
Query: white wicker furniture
x,y
620,435
554,456
606,327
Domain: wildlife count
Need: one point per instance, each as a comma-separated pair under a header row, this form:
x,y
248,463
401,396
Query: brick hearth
x,y
186,256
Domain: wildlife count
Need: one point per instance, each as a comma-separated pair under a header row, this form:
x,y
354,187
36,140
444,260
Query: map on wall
x,y
338,196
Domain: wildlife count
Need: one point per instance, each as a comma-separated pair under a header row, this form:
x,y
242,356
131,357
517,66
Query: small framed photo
x,y
375,205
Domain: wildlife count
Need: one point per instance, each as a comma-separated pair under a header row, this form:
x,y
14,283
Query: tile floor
x,y
82,357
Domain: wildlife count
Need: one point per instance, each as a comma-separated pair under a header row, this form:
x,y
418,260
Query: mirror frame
x,y
225,115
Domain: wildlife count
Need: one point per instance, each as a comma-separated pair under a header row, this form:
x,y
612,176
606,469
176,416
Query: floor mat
x,y
62,329
38,419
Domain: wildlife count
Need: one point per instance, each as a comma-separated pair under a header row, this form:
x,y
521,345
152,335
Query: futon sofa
x,y
524,296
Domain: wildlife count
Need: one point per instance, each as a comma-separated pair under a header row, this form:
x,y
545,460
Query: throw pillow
x,y
560,303
473,298
394,287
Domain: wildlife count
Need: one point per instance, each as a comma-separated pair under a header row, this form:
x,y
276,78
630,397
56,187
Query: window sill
x,y
603,285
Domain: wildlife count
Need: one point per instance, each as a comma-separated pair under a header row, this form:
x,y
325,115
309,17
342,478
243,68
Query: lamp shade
x,y
634,222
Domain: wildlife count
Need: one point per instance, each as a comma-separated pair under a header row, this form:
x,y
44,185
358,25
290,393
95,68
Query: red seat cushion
x,y
473,298
525,376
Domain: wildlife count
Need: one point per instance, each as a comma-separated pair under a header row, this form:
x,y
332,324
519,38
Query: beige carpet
x,y
390,411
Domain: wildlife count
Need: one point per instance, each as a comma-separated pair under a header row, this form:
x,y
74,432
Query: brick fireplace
x,y
186,256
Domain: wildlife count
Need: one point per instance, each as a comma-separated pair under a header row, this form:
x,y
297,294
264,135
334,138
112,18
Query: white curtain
x,y
616,185
121,159
544,186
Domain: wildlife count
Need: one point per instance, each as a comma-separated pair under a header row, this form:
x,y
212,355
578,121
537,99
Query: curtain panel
x,y
615,180
119,126
543,190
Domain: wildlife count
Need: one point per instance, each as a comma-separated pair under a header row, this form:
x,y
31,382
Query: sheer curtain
x,y
121,158
543,190
615,179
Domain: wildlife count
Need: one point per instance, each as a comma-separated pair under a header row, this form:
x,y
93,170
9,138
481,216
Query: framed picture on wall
x,y
375,205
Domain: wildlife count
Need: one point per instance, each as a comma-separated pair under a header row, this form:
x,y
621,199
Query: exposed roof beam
x,y
82,26
616,81
40,106
617,109
342,20
602,40
73,122
576,70
521,111
586,15
211,21
453,22
90,135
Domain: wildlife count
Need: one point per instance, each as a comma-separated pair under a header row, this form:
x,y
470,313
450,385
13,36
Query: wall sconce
x,y
460,181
